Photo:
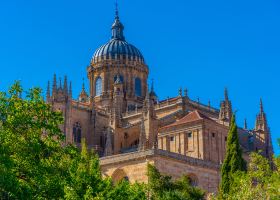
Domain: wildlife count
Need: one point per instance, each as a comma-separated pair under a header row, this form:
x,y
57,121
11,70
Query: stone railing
x,y
203,106
188,159
156,152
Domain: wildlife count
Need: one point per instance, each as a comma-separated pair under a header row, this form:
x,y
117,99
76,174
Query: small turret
x,y
263,132
108,151
180,92
118,102
225,108
59,93
83,97
261,122
142,136
149,121
153,95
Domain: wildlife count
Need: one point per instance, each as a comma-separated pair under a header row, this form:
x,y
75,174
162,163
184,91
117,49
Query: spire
x,y
54,88
83,86
245,124
152,92
152,86
83,95
185,92
225,108
180,91
261,122
117,27
60,84
70,89
48,90
261,106
226,94
65,86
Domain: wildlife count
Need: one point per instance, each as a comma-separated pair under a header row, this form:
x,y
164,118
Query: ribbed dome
x,y
117,48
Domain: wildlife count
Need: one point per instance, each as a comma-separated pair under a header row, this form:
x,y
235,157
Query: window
x,y
189,134
138,87
213,134
225,139
98,86
121,78
77,132
172,138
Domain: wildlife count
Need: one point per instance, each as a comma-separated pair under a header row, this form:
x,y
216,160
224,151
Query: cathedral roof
x,y
191,117
117,48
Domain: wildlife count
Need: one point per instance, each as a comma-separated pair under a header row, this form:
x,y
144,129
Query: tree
x,y
258,183
233,159
35,165
162,187
30,161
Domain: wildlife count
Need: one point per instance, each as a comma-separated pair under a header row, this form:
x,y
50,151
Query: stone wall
x,y
133,166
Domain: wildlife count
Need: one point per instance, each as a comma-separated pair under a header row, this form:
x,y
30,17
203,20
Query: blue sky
x,y
201,45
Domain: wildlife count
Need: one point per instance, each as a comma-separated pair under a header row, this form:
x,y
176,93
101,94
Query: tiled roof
x,y
191,117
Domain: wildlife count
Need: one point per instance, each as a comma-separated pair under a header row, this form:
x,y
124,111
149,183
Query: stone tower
x,y
60,99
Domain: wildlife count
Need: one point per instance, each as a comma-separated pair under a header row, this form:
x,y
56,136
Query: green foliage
x,y
35,165
233,160
258,183
161,187
30,160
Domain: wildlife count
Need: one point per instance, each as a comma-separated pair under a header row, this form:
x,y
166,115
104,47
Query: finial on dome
x,y
117,10
117,27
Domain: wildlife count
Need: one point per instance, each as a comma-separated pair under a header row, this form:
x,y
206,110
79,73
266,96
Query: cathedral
x,y
123,120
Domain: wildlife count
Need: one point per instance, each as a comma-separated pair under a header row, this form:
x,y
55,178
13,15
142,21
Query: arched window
x,y
77,132
121,78
98,86
138,87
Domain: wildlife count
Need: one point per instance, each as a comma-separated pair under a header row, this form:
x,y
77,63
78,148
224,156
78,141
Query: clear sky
x,y
203,45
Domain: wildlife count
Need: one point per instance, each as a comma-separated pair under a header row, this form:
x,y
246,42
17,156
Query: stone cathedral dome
x,y
117,48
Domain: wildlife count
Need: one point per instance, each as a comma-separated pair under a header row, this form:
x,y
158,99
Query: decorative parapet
x,y
203,107
120,158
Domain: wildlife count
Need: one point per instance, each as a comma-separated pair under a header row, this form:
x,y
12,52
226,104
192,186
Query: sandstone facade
x,y
128,126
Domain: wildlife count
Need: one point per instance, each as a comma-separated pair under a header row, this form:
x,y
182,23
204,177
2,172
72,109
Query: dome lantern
x,y
117,48
117,27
